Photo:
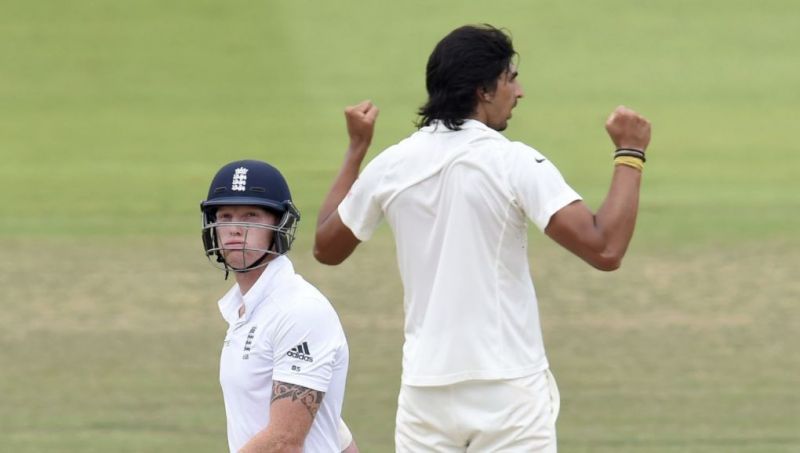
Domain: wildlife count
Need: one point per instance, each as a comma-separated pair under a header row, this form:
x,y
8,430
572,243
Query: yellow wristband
x,y
633,162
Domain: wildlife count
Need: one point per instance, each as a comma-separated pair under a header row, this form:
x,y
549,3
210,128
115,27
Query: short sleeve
x,y
537,185
360,210
306,345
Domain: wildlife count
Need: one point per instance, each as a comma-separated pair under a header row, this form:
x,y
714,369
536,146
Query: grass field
x,y
114,116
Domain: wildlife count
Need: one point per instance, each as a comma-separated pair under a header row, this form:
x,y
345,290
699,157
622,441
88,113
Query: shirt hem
x,y
556,205
344,215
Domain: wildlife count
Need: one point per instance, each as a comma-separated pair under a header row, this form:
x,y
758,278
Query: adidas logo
x,y
300,352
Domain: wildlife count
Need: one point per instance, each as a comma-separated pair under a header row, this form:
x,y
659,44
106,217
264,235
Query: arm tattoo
x,y
310,399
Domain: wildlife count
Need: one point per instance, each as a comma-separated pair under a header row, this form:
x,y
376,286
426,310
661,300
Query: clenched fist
x,y
361,124
628,129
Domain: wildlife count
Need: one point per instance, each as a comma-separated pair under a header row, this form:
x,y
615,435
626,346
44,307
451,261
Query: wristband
x,y
629,161
630,152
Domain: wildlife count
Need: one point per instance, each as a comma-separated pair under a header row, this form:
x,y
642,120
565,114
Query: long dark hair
x,y
470,57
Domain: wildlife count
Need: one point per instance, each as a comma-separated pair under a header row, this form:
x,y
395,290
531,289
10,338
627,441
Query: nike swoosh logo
x,y
539,161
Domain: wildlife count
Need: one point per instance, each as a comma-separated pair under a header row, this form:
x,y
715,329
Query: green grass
x,y
114,116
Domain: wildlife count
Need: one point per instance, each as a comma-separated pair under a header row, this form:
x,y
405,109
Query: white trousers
x,y
514,415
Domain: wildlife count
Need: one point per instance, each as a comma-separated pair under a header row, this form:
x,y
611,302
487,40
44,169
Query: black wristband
x,y
634,150
630,152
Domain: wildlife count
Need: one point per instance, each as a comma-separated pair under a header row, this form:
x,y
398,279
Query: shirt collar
x,y
438,126
273,274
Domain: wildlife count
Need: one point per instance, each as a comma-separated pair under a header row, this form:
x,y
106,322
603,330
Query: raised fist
x,y
361,123
628,129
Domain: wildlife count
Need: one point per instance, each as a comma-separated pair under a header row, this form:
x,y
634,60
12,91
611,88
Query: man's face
x,y
241,244
503,99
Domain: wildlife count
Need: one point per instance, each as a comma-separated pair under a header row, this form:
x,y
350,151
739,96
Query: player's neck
x,y
246,280
479,115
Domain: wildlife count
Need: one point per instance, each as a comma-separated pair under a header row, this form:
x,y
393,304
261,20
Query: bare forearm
x,y
602,239
360,127
343,182
333,241
268,441
616,218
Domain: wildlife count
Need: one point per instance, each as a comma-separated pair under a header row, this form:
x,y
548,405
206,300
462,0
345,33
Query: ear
x,y
483,94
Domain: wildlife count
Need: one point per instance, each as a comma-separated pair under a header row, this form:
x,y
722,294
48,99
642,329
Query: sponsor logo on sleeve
x,y
301,352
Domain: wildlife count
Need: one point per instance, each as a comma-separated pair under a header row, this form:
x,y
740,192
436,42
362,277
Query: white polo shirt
x,y
457,203
289,333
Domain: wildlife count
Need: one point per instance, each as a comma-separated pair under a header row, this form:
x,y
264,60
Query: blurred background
x,y
114,116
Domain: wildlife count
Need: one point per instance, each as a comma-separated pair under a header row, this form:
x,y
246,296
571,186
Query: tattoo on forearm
x,y
310,399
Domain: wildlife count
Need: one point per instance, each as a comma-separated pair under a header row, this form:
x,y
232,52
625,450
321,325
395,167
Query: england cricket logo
x,y
239,180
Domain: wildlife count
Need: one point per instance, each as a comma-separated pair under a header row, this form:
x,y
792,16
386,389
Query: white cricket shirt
x,y
458,203
289,333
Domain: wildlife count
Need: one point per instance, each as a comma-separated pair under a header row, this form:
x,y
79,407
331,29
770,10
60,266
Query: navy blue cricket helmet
x,y
251,183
